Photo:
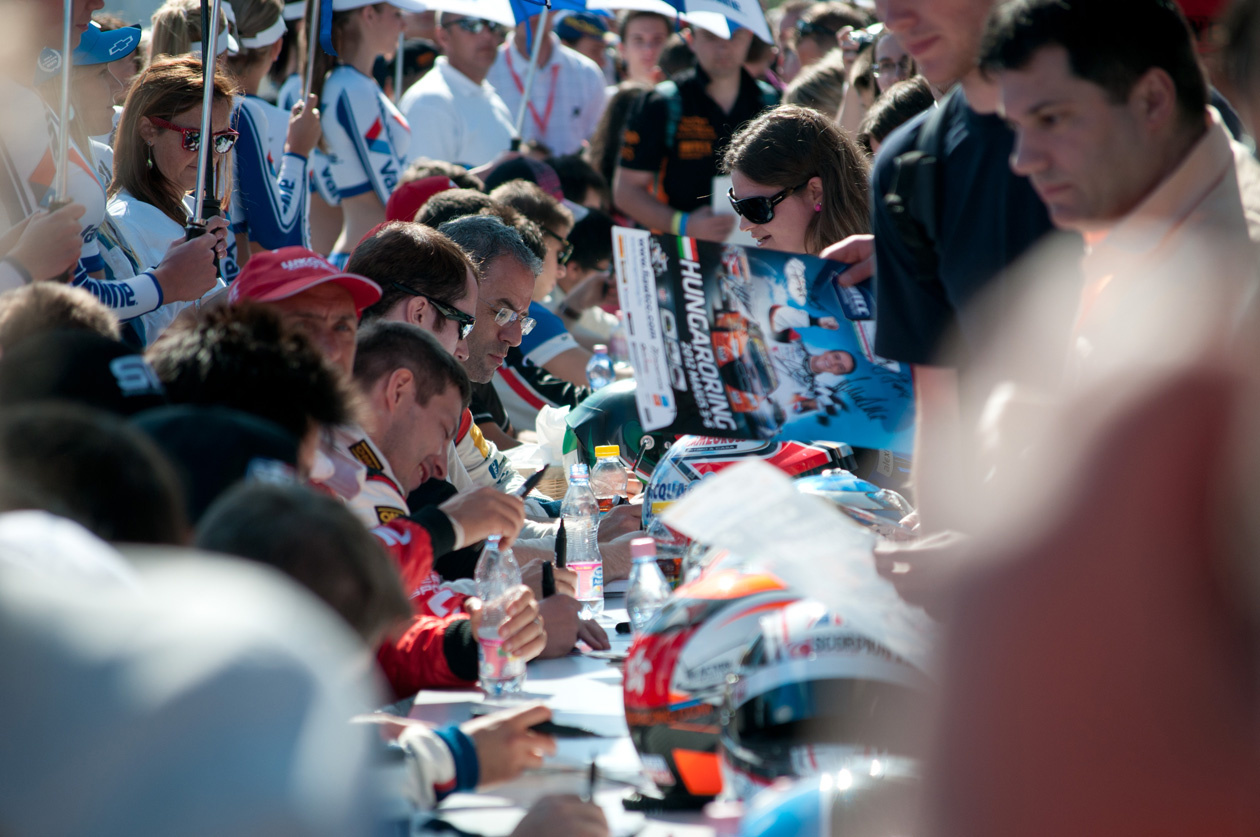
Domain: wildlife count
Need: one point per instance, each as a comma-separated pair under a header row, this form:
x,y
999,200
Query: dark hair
x,y
1103,44
452,204
416,257
577,177
605,147
315,540
628,17
833,16
531,201
862,73
676,57
898,105
787,146
245,358
423,167
252,18
93,468
385,346
591,238
51,306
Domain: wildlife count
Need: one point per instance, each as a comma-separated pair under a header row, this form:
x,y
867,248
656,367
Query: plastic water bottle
x,y
500,673
648,587
599,369
608,477
581,530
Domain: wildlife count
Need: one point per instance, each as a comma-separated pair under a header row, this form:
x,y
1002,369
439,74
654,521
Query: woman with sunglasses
x,y
365,136
155,166
269,202
799,182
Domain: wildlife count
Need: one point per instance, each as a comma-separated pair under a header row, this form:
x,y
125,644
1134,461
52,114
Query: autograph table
x,y
582,692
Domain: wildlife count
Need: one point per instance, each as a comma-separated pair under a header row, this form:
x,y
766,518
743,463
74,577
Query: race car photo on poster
x,y
742,343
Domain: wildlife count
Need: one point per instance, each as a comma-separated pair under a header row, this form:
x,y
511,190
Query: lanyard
x,y
545,120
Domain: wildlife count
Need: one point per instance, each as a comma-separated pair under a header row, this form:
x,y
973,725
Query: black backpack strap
x,y
912,194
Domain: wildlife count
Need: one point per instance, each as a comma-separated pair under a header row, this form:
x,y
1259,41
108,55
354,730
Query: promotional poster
x,y
743,343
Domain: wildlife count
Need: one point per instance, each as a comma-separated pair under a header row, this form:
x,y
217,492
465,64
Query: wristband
x,y
567,311
676,223
19,268
682,225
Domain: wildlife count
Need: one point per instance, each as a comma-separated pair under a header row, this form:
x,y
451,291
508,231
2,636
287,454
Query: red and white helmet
x,y
677,672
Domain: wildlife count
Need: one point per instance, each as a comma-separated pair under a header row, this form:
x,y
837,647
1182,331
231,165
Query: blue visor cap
x,y
97,46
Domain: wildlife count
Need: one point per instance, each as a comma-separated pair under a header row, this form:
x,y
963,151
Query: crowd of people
x,y
315,352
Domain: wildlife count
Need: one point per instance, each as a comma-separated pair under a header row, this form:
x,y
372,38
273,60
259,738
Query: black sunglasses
x,y
806,29
465,321
760,210
566,247
475,26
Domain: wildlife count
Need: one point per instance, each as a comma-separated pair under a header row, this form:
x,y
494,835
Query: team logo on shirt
x,y
362,451
376,141
386,514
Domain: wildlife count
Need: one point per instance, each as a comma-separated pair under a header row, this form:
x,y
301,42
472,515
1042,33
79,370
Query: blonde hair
x,y
177,26
165,88
819,86
787,146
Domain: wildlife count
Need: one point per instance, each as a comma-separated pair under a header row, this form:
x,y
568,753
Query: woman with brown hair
x,y
799,182
155,166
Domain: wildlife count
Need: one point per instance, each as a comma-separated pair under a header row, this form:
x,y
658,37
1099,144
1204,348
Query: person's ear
x,y
1153,99
148,131
814,189
415,309
399,388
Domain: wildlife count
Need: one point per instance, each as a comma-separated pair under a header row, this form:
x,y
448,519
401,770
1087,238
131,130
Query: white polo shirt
x,y
567,98
455,119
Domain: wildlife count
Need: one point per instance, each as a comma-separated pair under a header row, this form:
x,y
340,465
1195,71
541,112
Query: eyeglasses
x,y
888,67
503,316
566,247
464,320
475,26
223,140
760,210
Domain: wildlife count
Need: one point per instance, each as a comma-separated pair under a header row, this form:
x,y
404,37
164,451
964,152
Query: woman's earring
x,y
149,156
818,207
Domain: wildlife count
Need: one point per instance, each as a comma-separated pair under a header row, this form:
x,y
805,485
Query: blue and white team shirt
x,y
367,138
269,197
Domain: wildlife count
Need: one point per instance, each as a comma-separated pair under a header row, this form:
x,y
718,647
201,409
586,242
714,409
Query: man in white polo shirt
x,y
567,98
458,116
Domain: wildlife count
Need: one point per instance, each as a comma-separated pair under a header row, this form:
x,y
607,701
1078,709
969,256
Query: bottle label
x,y
496,663
590,580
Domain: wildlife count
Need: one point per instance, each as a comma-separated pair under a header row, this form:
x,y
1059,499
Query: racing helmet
x,y
849,802
814,695
878,509
609,416
692,458
676,674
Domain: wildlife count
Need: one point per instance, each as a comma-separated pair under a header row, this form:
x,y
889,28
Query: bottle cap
x,y
492,542
601,348
643,548
579,471
607,450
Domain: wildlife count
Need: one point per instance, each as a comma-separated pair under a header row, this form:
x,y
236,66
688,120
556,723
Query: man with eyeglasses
x,y
460,118
817,30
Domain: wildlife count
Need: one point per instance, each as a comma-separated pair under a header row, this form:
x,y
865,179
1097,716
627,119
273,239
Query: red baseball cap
x,y
280,274
407,199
